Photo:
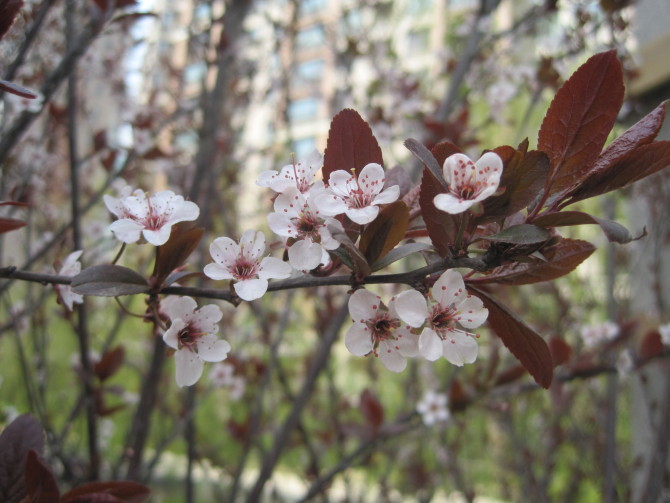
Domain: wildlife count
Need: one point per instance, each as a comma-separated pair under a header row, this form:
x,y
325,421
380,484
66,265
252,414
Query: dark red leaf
x,y
636,165
560,350
110,363
183,240
10,87
17,439
458,397
523,177
510,375
522,341
615,232
122,491
9,9
442,227
10,224
580,118
561,258
651,345
384,232
350,145
443,150
40,481
372,409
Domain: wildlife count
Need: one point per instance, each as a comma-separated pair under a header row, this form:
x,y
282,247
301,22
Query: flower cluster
x,y
392,333
308,215
433,408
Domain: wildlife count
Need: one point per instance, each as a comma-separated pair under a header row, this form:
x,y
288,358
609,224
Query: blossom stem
x,y
461,230
118,255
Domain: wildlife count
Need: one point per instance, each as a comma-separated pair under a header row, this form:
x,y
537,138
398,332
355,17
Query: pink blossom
x,y
299,175
358,197
243,263
192,334
469,182
151,217
452,306
71,267
297,218
385,332
433,408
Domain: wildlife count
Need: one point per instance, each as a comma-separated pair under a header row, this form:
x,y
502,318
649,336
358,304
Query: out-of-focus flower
x,y
243,263
664,330
452,306
192,334
71,267
433,408
20,104
469,182
309,238
299,175
151,217
358,197
385,332
223,375
592,335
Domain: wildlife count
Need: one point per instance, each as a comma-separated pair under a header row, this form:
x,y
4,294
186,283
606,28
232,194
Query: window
x,y
311,6
418,40
311,37
310,72
303,147
303,109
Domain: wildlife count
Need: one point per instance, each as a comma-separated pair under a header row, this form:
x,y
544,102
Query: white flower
x,y
433,408
223,375
599,333
151,217
664,330
357,197
244,264
453,305
21,103
298,175
469,182
71,267
192,335
297,218
385,332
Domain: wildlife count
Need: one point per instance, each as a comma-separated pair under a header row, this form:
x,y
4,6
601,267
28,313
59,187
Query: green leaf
x,y
422,153
522,341
580,118
109,281
399,253
523,234
614,231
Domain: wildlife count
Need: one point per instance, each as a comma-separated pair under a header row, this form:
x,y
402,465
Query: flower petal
x,y
358,340
410,307
126,230
390,357
189,367
460,348
179,307
388,195
364,215
252,244
451,204
430,345
329,204
158,237
471,312
217,272
212,349
251,289
449,289
363,305
271,267
305,255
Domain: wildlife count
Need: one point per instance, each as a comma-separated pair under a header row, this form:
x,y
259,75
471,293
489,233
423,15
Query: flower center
x,y
245,268
466,192
441,318
308,225
383,328
188,337
357,198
